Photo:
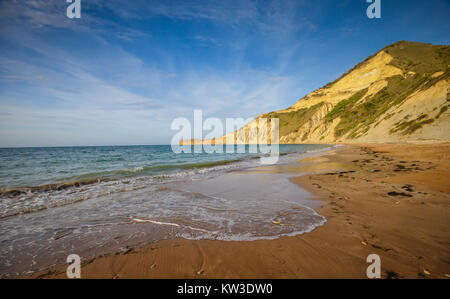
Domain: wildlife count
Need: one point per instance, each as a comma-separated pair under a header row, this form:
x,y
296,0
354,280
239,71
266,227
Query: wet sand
x,y
389,199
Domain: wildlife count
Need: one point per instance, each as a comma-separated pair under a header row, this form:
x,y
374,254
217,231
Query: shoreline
x,y
404,218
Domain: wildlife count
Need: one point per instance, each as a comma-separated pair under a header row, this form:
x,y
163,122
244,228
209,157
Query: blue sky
x,y
126,69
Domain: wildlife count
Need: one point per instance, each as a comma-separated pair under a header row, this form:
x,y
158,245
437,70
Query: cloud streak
x,y
122,72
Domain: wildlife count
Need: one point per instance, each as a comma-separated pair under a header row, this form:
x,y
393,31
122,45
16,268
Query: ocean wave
x,y
97,177
154,222
12,192
24,200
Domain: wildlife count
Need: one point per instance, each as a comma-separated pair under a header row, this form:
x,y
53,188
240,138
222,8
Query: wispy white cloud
x,y
57,96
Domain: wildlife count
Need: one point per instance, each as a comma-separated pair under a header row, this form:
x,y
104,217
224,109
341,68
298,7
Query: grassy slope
x,y
291,122
419,61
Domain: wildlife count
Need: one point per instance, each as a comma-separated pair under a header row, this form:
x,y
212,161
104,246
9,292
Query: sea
x,y
96,200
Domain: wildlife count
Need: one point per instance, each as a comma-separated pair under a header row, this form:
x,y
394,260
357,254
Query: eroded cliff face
x,y
422,115
399,94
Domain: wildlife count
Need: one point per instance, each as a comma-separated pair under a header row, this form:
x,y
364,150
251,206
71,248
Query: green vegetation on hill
x,y
422,60
348,111
292,121
443,109
419,57
408,127
345,105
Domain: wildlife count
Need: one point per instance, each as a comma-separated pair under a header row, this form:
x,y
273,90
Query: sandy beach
x,y
229,140
389,199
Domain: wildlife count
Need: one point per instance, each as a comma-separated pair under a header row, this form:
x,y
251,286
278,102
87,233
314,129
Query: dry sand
x,y
409,229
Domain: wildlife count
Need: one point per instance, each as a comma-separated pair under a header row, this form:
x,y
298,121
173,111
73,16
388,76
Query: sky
x,y
121,73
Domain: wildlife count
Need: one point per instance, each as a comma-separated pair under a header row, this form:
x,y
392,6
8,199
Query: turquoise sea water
x,y
32,167
92,200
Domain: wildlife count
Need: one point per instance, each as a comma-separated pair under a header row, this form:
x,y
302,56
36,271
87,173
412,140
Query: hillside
x,y
399,94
